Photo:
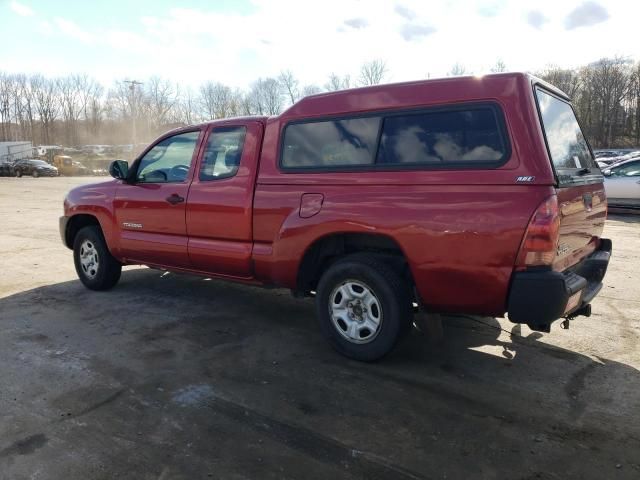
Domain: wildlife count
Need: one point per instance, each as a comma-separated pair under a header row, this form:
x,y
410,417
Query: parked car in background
x,y
622,183
35,168
611,157
608,153
6,169
462,195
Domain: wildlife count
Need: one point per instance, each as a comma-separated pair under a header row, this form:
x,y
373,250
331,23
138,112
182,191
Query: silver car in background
x,y
622,184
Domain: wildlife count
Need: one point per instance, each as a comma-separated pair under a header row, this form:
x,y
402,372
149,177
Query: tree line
x,y
77,110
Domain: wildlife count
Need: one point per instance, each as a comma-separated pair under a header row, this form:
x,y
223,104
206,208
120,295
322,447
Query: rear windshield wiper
x,y
584,171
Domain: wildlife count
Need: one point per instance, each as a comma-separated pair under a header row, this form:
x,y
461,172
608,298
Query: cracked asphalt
x,y
176,377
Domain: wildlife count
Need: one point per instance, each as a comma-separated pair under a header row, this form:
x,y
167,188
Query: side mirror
x,y
607,173
119,169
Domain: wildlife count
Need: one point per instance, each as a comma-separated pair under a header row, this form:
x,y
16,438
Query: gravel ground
x,y
176,377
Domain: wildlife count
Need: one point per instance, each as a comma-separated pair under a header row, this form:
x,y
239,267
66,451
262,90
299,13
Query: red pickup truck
x,y
475,195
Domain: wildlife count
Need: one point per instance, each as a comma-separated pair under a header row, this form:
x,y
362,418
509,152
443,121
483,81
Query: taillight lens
x,y
540,242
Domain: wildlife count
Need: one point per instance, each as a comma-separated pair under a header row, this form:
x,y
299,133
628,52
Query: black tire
x,y
35,174
391,292
18,173
108,270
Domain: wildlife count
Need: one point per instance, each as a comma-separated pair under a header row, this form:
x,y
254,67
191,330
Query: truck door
x,y
220,202
150,211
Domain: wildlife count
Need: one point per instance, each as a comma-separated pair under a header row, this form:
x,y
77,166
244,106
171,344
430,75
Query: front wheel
x,y
364,307
18,173
95,266
35,174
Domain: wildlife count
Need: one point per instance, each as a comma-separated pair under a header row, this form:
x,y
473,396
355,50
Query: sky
x,y
237,41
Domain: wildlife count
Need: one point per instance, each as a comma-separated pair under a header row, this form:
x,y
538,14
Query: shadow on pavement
x,y
171,376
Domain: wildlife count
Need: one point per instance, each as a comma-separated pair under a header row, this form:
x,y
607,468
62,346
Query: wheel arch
x,y
325,250
76,223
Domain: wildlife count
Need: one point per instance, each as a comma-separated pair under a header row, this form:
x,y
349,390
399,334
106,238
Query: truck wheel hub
x,y
355,311
89,260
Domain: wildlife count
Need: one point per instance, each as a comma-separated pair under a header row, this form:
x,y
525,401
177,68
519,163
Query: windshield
x,y
567,145
38,162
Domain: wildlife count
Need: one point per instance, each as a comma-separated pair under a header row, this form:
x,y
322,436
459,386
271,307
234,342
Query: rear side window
x,y
472,136
442,138
332,143
567,145
222,155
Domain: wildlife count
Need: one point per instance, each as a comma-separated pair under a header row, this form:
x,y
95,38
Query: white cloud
x,y
21,9
410,31
536,19
357,22
585,15
71,29
404,12
438,35
415,38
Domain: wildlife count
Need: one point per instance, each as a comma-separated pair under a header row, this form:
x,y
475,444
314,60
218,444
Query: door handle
x,y
175,199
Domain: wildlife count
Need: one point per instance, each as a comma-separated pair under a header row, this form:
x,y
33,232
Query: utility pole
x,y
132,88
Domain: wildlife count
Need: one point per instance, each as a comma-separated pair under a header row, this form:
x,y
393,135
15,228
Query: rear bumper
x,y
538,298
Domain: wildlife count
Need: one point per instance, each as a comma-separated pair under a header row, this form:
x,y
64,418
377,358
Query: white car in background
x,y
622,184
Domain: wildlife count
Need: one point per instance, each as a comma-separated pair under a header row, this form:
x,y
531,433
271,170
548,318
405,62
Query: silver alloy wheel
x,y
355,311
89,260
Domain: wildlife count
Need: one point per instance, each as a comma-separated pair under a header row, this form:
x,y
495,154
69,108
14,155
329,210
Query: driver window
x,y
169,160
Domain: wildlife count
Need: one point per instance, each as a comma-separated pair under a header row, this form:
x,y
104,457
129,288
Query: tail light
x,y
540,242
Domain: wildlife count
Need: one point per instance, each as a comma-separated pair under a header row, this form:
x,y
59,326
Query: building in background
x,y
12,151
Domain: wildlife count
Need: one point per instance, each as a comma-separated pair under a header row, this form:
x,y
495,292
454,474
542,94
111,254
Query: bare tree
x,y
567,80
6,100
75,109
336,82
613,80
373,72
26,100
47,104
634,91
188,106
457,70
310,90
75,91
289,85
129,106
161,97
216,100
265,97
499,67
94,110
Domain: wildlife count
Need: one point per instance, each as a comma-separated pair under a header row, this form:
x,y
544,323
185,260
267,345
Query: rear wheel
x,y
363,306
18,173
95,266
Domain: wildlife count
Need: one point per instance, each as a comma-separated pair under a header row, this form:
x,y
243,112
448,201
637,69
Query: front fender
x,y
96,200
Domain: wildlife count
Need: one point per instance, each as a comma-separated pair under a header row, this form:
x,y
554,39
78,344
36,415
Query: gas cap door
x,y
310,204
